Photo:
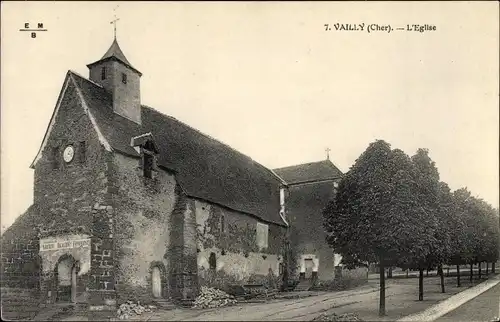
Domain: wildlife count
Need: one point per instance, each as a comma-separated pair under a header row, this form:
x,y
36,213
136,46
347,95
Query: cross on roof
x,y
115,20
327,150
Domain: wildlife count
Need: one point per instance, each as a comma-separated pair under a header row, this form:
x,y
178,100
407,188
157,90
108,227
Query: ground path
x,y
401,300
484,307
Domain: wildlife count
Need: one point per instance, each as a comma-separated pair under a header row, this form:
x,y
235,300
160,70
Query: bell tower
x,y
115,73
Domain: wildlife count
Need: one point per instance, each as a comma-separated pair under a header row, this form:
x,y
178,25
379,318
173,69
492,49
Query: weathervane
x,y
115,20
327,150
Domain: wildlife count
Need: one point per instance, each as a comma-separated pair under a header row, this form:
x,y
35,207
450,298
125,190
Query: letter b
x,y
33,35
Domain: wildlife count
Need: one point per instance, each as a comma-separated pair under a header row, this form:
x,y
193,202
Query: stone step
x,y
303,285
164,304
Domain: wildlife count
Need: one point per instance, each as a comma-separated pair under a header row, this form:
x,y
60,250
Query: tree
x,y
465,203
449,212
375,217
428,195
487,231
494,254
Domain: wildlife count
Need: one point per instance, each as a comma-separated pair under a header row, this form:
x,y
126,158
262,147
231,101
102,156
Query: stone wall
x,y
21,263
232,238
19,304
143,227
304,204
358,273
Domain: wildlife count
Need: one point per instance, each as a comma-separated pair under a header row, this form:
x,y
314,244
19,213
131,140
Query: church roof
x,y
115,52
205,167
309,172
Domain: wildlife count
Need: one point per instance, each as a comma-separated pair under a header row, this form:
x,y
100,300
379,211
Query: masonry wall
x,y
305,204
21,263
144,224
239,259
64,196
126,97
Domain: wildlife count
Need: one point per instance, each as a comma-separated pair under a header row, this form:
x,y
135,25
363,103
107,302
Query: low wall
x,y
19,303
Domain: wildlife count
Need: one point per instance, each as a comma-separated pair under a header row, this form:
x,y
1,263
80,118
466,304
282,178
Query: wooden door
x,y
309,268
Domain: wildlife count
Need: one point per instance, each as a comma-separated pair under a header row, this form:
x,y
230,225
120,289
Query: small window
x,y
222,223
148,165
212,261
124,78
103,73
55,157
83,152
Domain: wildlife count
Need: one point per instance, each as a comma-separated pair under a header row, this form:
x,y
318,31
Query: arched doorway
x,y
66,272
156,282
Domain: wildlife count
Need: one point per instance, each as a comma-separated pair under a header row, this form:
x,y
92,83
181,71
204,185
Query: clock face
x,y
68,153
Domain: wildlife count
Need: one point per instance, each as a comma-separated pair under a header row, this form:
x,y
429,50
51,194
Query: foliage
x,y
428,199
375,214
454,224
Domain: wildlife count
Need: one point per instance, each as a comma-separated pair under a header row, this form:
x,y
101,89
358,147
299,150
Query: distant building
x,y
310,187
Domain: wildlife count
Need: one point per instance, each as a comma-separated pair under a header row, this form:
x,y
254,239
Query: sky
x,y
270,81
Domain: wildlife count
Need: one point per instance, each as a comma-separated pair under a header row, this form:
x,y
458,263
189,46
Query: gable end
x,y
69,80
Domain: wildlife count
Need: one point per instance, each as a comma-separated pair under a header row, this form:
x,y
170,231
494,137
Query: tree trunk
x,y
458,275
389,272
442,277
381,308
427,273
421,284
448,271
479,266
493,267
407,271
487,264
471,273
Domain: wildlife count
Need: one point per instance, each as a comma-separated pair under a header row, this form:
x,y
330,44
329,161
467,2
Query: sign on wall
x,y
54,245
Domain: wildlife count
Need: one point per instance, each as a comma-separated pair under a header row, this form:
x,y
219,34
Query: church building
x,y
311,186
133,203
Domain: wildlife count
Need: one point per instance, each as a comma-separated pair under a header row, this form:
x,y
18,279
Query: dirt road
x,y
401,300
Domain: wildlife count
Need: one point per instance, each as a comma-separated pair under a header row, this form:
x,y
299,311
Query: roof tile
x,y
307,172
206,168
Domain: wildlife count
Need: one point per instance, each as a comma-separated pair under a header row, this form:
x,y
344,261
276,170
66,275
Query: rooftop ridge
x,y
218,141
301,164
84,78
